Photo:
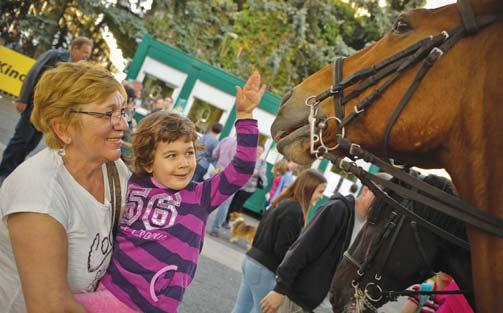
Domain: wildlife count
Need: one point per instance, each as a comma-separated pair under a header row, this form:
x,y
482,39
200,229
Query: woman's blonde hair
x,y
67,87
159,127
302,188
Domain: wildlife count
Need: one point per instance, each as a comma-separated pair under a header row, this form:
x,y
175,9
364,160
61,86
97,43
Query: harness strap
x,y
394,294
427,64
413,225
390,245
468,17
448,204
338,97
368,179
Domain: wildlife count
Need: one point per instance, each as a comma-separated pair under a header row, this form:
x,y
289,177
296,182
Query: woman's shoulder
x,y
37,170
289,207
34,186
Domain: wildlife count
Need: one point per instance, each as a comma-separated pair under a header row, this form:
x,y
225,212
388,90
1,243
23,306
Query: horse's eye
x,y
401,26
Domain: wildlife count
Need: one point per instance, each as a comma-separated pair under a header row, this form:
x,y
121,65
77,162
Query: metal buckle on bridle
x,y
369,296
352,148
357,111
335,89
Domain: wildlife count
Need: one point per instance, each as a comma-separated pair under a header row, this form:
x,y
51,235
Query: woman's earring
x,y
61,152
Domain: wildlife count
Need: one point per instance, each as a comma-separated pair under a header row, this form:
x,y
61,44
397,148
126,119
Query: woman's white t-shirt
x,y
42,184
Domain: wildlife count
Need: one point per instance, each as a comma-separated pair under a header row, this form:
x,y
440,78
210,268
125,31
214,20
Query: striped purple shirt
x,y
161,234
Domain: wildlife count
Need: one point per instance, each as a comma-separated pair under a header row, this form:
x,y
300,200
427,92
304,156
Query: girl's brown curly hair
x,y
155,128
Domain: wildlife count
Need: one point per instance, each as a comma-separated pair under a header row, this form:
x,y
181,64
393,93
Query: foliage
x,y
286,40
36,26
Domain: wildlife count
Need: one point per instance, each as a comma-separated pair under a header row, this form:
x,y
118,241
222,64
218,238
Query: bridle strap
x,y
419,244
370,181
390,226
427,64
468,17
355,262
392,295
447,204
391,245
338,96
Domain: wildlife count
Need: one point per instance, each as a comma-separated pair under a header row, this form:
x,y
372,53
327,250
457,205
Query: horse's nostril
x,y
286,97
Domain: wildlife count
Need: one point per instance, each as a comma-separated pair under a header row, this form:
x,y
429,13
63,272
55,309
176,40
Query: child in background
x,y
278,170
161,235
422,303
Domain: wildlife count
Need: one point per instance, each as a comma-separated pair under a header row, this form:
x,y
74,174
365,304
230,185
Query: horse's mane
x,y
444,221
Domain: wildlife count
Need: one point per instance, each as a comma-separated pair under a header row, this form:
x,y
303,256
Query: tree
x,y
41,25
286,40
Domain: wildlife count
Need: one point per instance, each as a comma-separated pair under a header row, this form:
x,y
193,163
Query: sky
x,y
437,3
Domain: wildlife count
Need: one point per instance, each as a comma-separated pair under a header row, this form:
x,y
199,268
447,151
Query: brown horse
x,y
454,120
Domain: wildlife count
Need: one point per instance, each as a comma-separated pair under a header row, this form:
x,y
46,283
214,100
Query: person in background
x,y
416,304
286,179
56,208
303,278
209,141
26,137
223,153
160,238
243,194
163,104
278,170
278,229
353,189
126,149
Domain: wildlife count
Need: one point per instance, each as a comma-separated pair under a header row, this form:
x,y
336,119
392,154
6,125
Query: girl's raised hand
x,y
248,97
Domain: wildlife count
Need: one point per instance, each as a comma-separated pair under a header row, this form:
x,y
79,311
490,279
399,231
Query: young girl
x,y
279,228
161,235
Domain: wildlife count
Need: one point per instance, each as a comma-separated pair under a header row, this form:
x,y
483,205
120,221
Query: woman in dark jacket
x,y
278,229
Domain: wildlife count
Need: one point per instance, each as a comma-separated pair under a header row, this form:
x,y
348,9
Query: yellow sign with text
x,y
13,69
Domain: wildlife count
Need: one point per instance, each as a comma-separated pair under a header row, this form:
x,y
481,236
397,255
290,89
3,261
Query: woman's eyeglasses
x,y
115,117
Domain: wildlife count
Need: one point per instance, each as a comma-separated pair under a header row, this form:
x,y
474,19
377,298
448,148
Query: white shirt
x,y
357,226
42,184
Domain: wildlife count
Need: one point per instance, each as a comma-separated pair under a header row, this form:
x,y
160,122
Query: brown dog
x,y
239,229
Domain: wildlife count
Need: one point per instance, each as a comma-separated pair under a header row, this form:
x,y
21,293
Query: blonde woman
x,y
55,208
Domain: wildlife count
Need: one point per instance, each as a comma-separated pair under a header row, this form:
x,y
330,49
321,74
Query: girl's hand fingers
x,y
253,81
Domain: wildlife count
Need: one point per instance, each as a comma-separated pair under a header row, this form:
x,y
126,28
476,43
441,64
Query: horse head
x,y
392,252
451,120
423,131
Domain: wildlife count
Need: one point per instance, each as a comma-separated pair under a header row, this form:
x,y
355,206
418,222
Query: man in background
x,y
205,158
223,153
26,137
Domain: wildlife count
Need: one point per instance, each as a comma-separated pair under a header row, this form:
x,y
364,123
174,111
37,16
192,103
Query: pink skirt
x,y
102,301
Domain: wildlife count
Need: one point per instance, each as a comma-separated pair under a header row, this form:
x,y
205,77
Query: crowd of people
x,y
74,245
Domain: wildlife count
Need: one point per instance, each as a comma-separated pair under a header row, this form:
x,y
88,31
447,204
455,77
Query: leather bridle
x,y
428,51
373,293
